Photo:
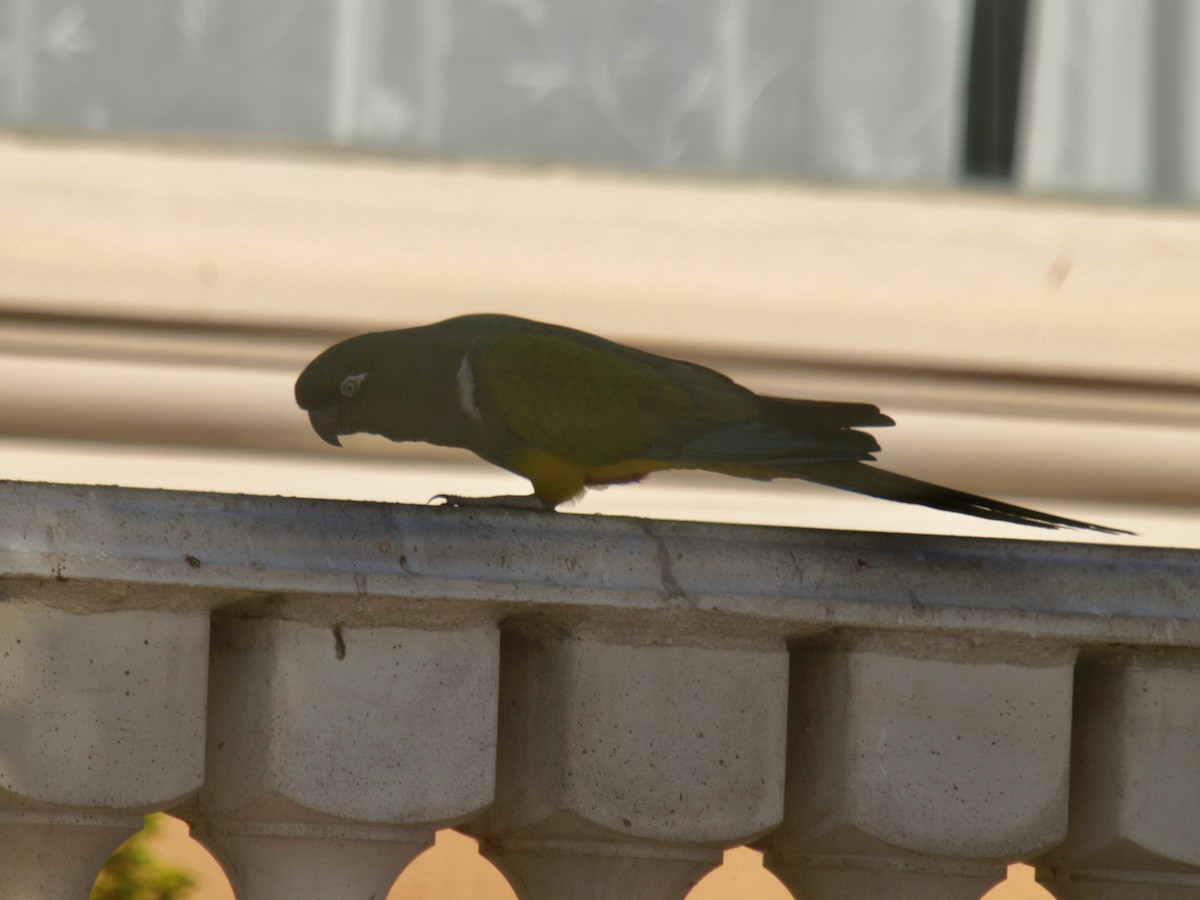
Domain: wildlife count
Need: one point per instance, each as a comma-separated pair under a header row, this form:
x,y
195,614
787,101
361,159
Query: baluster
x,y
102,721
335,753
623,770
919,766
1135,781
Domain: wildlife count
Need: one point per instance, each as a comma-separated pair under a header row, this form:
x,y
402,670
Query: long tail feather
x,y
876,482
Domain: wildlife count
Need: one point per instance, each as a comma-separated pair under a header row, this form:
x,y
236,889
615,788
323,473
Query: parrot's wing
x,y
596,403
599,404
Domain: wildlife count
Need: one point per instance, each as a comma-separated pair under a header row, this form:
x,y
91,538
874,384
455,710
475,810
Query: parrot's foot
x,y
505,501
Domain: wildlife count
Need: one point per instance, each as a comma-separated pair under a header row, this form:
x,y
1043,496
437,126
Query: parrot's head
x,y
337,389
406,385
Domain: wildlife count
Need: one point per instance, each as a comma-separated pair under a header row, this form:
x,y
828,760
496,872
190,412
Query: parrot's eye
x,y
351,384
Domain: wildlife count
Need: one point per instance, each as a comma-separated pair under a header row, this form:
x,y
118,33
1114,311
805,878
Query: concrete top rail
x,y
631,580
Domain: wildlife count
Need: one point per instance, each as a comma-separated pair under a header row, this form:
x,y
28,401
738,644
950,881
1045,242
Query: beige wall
x,y
155,306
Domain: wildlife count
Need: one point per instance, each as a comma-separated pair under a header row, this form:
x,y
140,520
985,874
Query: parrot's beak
x,y
325,423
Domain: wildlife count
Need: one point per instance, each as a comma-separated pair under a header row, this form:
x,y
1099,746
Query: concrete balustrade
x,y
605,703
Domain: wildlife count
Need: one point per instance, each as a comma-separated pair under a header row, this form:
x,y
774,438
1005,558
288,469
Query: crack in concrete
x,y
671,589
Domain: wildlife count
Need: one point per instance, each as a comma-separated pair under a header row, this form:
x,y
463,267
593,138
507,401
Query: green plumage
x,y
568,409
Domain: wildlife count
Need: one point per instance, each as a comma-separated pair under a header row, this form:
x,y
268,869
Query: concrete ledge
x,y
633,579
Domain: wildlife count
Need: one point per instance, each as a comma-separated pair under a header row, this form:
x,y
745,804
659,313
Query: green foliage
x,y
132,872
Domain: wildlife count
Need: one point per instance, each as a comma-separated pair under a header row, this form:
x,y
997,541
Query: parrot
x,y
570,410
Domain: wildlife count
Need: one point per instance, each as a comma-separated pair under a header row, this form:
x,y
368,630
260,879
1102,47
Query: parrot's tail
x,y
875,482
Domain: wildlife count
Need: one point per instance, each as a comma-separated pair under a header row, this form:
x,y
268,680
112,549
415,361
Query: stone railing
x,y
605,703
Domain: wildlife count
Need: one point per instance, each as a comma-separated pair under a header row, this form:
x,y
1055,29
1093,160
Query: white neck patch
x,y
466,388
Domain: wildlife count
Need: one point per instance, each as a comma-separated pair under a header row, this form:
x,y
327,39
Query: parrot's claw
x,y
505,501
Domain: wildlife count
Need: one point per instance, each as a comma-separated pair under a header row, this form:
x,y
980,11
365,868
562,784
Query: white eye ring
x,y
351,383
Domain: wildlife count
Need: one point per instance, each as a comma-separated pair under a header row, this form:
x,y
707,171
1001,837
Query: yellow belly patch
x,y
555,480
558,480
